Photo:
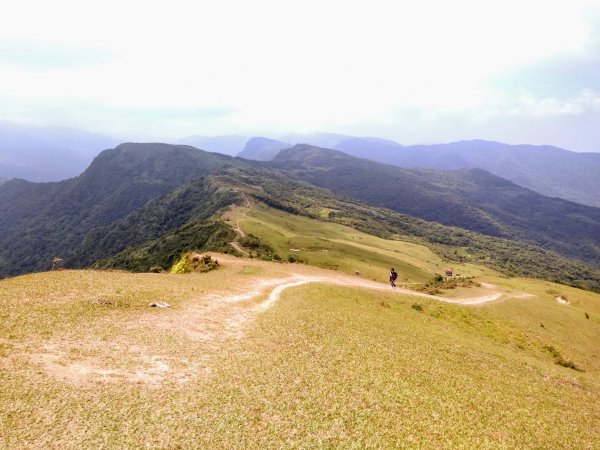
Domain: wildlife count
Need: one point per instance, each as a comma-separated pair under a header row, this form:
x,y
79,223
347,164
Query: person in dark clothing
x,y
393,276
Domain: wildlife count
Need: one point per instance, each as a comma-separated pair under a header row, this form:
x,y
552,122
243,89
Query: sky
x,y
413,71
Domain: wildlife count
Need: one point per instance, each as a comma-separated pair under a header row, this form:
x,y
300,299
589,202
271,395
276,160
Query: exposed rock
x,y
160,305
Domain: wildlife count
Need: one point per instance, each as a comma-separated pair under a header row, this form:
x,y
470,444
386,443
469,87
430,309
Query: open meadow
x,y
269,355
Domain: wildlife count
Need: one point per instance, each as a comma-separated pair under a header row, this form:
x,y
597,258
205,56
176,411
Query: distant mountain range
x,y
325,140
53,154
262,149
47,153
551,171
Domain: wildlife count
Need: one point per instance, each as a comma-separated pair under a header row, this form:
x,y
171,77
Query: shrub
x,y
193,262
416,307
568,364
250,241
437,279
558,358
550,349
437,283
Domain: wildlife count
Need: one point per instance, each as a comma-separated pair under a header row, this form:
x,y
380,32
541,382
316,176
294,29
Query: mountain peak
x,y
262,149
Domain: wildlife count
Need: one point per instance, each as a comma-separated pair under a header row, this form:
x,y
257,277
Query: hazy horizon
x,y
284,136
432,72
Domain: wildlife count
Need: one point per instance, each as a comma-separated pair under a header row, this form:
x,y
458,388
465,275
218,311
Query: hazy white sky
x,y
421,71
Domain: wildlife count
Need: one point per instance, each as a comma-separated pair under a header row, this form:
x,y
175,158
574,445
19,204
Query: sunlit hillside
x,y
261,354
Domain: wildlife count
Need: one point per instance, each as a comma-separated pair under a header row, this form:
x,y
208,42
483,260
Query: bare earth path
x,y
300,275
236,246
238,230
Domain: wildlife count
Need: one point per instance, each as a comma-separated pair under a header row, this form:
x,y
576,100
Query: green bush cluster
x,y
193,262
558,358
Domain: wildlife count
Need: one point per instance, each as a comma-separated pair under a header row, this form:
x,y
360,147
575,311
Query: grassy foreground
x,y
85,363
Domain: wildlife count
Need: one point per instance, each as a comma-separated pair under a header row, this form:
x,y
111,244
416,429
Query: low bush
x,y
438,283
250,241
558,358
194,262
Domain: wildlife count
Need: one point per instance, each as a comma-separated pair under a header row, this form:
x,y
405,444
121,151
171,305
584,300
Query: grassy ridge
x,y
453,244
363,370
324,367
334,246
470,199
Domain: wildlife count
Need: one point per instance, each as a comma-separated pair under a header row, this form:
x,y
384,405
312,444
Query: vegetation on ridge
x,y
506,256
140,206
474,200
41,220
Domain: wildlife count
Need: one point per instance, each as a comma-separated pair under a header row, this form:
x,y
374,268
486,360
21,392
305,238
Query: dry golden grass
x,y
86,363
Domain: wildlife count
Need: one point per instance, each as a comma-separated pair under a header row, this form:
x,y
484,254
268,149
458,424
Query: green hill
x,y
471,199
41,220
139,206
300,343
288,202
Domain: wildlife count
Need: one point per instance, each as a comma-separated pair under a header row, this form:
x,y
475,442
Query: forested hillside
x,y
471,199
40,221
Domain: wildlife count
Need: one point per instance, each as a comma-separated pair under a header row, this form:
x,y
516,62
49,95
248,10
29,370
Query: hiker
x,y
393,276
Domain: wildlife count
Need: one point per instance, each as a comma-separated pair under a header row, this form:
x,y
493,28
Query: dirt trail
x,y
236,246
346,280
239,231
299,275
353,282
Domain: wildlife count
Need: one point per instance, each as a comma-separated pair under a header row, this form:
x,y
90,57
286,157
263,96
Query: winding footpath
x,y
299,280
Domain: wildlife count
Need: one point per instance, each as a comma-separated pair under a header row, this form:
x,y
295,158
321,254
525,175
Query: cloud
x,y
133,68
41,55
125,122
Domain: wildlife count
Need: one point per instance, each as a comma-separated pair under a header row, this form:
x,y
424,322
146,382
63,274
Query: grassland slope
x,y
292,199
86,363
